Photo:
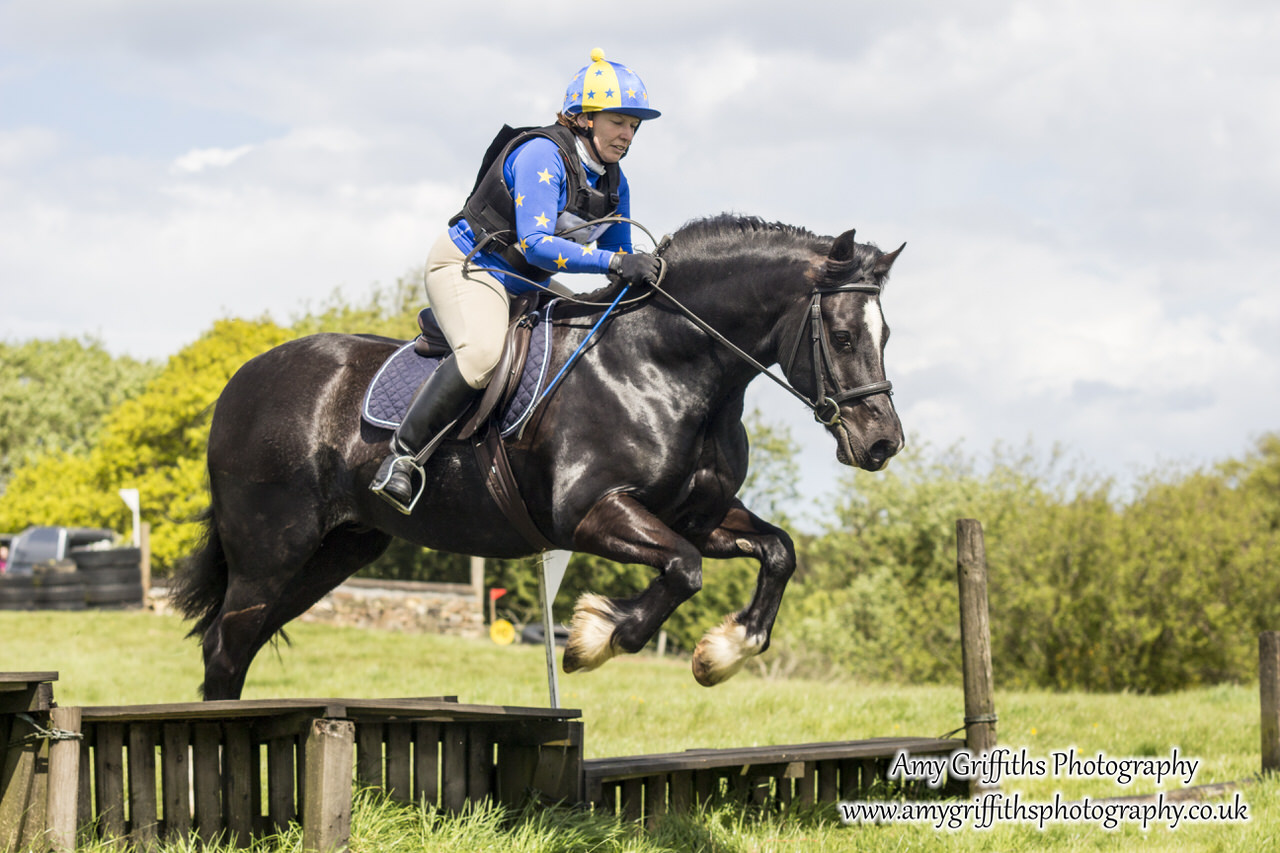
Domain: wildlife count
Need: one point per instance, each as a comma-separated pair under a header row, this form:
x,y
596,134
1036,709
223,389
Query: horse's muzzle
x,y
852,450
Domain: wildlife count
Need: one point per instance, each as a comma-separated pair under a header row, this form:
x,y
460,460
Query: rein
x,y
825,408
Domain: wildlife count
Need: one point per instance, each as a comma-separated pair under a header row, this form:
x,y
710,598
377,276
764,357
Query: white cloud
x,y
200,159
1089,190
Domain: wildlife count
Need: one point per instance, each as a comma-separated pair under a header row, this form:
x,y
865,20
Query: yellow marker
x,y
502,632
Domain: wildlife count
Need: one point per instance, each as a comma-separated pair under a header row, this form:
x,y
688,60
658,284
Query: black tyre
x,y
65,597
110,575
17,593
534,633
110,557
58,579
113,593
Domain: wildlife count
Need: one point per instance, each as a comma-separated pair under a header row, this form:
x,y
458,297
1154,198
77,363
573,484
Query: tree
x,y
54,395
153,442
155,439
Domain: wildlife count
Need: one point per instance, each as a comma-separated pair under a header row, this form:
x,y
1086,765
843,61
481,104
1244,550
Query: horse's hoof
x,y
590,633
723,651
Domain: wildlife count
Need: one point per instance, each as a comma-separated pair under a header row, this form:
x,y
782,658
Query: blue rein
x,y
577,352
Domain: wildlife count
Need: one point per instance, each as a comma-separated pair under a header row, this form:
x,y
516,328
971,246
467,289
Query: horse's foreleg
x,y
619,528
725,648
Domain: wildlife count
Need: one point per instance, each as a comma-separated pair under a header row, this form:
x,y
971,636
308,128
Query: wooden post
x,y
1269,692
144,564
975,640
326,813
64,781
477,581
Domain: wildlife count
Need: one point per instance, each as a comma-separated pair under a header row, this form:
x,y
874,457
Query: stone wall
x,y
405,606
415,608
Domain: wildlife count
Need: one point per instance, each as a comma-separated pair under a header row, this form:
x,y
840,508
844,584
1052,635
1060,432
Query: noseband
x,y
826,407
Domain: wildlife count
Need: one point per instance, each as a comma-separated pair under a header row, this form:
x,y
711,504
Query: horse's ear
x,y
886,261
842,248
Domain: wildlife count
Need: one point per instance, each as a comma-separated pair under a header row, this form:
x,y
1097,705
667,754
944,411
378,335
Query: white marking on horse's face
x,y
873,317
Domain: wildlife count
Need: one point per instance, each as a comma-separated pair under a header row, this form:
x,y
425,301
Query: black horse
x,y
636,456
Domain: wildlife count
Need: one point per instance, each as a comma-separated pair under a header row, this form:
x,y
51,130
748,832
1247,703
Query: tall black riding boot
x,y
438,403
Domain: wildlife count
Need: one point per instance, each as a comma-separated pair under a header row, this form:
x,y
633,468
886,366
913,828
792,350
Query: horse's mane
x,y
713,234
724,233
713,237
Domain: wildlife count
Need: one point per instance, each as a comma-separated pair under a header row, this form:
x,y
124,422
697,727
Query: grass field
x,y
645,705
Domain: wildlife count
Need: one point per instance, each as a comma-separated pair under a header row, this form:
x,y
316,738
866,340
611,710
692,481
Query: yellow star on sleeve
x,y
519,200
542,220
561,261
586,250
544,177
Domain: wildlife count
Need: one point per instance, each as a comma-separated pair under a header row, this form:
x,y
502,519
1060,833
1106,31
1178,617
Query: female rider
x,y
523,217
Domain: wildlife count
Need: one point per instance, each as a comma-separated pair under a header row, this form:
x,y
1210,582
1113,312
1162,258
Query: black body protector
x,y
491,212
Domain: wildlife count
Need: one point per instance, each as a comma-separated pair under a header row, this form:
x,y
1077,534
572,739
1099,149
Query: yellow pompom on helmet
x,y
605,86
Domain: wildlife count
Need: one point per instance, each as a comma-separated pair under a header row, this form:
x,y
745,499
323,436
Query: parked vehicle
x,y
37,545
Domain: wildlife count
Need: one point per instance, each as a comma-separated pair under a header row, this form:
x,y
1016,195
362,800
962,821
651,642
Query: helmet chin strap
x,y
590,134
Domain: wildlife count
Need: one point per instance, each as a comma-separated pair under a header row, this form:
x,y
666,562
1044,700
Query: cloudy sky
x,y
1090,190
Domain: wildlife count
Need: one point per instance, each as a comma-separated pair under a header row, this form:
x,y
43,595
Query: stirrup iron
x,y
415,463
390,466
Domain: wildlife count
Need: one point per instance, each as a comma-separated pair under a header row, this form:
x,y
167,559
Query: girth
x,y
477,425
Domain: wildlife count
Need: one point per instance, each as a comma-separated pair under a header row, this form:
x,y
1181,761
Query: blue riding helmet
x,y
605,86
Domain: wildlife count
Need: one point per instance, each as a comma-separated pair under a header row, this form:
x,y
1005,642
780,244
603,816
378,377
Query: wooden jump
x,y
240,769
649,786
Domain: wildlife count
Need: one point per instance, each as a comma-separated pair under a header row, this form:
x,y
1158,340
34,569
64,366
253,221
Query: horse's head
x,y
836,352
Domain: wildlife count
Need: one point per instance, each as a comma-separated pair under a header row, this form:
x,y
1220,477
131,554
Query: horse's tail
x,y
201,582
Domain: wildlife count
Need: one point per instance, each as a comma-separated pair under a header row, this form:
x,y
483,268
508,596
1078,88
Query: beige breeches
x,y
472,310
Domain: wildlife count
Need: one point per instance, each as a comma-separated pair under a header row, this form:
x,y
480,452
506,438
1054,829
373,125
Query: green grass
x,y
646,705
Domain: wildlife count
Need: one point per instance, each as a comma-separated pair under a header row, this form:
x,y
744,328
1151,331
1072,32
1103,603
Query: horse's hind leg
x,y
619,528
243,633
725,648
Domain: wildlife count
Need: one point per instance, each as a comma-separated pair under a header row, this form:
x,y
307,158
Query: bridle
x,y
826,407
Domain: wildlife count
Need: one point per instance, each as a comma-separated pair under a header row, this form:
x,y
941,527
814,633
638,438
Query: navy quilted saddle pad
x,y
400,376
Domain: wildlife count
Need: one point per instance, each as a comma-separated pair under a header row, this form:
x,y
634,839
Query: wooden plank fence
x,y
25,701
237,770
778,777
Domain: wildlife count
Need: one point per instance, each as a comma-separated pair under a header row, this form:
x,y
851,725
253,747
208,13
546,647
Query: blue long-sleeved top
x,y
534,173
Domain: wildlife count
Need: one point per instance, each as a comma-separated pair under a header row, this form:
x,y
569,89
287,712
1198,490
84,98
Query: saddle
x,y
501,411
508,400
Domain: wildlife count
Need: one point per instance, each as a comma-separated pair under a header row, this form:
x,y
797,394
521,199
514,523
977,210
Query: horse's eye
x,y
843,340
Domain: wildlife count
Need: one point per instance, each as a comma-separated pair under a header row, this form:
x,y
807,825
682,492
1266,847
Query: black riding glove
x,y
638,268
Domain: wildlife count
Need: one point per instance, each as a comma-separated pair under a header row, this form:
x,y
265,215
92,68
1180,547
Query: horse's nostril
x,y
883,449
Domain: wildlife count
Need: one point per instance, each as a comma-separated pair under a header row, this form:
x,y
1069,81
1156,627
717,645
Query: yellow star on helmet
x,y
631,93
544,177
561,261
541,220
519,200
